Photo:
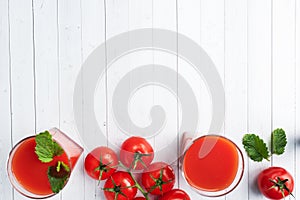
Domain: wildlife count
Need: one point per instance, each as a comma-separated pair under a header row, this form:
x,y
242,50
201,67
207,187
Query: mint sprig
x,y
46,148
257,149
58,175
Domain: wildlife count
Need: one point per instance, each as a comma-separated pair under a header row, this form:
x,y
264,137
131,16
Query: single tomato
x,y
120,186
175,194
100,163
136,153
158,178
139,198
275,183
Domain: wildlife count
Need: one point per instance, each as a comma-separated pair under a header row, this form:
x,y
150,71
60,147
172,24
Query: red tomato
x,y
158,178
175,194
136,153
275,183
120,186
101,163
139,198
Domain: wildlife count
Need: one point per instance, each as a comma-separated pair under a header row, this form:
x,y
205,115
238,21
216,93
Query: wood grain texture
x,y
92,35
5,99
283,67
235,82
46,66
297,120
259,83
22,72
70,60
189,11
254,45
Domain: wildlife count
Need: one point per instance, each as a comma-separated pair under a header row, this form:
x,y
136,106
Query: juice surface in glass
x,y
211,163
29,171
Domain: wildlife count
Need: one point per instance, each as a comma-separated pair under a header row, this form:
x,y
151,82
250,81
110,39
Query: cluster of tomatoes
x,y
123,176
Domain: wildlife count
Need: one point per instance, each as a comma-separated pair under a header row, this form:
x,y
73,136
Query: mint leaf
x,y
58,175
57,150
255,147
46,148
279,141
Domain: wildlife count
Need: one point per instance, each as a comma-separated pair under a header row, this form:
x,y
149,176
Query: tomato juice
x,y
211,163
29,171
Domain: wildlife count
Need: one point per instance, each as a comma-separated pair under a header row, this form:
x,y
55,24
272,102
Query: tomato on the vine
x,y
275,183
120,186
100,163
175,194
158,178
136,153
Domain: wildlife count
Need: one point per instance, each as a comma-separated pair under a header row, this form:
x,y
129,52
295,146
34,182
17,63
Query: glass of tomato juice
x,y
212,165
28,174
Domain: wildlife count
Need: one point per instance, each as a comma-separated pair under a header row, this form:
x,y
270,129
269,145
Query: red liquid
x,y
30,172
211,165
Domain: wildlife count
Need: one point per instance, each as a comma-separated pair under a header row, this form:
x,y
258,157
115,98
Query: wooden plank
x,y
93,26
22,72
69,38
140,15
212,32
117,22
93,35
297,120
192,11
22,69
259,83
235,80
212,40
165,16
284,69
46,66
5,92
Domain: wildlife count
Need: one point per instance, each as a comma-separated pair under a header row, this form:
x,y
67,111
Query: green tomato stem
x,y
137,185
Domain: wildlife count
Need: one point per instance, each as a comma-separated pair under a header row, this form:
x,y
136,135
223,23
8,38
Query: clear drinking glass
x,y
212,165
32,181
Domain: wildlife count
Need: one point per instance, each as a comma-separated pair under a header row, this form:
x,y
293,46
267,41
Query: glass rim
x,y
235,182
16,183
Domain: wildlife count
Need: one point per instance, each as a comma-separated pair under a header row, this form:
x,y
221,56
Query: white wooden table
x,y
254,44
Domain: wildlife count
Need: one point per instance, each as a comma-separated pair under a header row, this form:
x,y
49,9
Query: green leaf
x,y
46,148
58,175
279,141
57,150
255,147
